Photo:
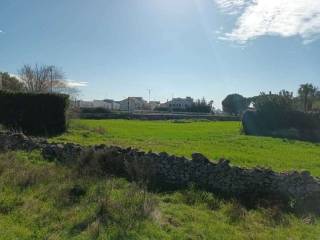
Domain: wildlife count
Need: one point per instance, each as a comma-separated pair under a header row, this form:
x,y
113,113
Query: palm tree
x,y
307,93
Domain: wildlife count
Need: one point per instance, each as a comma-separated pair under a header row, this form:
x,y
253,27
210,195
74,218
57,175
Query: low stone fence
x,y
298,191
159,116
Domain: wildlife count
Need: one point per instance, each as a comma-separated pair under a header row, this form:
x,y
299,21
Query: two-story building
x,y
180,103
112,104
153,104
105,104
132,104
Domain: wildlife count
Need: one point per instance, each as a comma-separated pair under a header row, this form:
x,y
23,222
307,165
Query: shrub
x,y
276,116
34,114
288,124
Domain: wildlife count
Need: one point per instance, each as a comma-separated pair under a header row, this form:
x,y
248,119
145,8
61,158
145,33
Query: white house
x,y
131,104
180,103
112,104
84,104
153,104
105,104
102,104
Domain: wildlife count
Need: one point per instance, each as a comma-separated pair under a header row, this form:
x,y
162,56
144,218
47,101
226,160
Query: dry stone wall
x,y
296,190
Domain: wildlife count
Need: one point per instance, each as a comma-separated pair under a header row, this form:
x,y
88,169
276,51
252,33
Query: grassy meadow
x,y
44,200
214,139
48,200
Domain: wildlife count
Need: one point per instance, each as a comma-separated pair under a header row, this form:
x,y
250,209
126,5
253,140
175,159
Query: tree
x,y
42,78
201,106
307,92
287,94
235,104
272,104
10,83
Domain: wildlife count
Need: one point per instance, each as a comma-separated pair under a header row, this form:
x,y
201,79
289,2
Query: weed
x,y
235,212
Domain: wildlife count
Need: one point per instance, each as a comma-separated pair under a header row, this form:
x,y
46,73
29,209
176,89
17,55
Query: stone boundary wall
x,y
299,192
158,116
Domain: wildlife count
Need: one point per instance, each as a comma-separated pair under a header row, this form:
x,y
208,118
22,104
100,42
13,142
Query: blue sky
x,y
198,48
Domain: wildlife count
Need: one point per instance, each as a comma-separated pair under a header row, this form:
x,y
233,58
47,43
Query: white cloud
x,y
15,75
285,18
232,6
71,83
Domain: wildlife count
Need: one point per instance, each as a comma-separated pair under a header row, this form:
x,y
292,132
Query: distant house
x,y
105,104
180,103
101,104
132,104
85,104
153,104
113,105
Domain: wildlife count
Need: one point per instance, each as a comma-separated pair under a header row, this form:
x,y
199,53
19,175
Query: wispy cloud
x,y
273,17
72,83
232,6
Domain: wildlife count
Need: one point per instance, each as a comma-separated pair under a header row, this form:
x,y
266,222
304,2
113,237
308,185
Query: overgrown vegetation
x,y
306,100
45,200
277,115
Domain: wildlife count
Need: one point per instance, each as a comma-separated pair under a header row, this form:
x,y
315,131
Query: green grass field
x,y
47,200
44,200
213,139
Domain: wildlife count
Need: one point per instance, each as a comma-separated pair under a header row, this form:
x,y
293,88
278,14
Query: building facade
x,y
132,104
105,104
180,103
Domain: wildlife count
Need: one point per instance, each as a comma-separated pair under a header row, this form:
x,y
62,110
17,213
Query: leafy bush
x,y
201,106
275,116
34,114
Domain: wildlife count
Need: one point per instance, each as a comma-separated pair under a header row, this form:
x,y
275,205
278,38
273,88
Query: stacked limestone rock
x,y
164,172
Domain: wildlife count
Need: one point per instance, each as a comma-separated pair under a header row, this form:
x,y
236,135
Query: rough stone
x,y
165,172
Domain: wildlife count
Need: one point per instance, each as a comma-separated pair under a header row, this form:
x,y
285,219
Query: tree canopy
x,y
308,93
41,79
10,83
235,104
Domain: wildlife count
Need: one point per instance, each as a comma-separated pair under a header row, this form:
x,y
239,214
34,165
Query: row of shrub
x,y
33,113
287,124
276,115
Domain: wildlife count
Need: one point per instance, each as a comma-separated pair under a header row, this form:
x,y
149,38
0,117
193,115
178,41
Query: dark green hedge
x,y
287,124
34,114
